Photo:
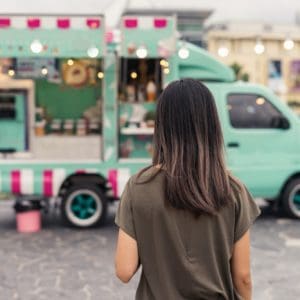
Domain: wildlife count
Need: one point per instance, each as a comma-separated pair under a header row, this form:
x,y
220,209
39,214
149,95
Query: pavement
x,y
62,263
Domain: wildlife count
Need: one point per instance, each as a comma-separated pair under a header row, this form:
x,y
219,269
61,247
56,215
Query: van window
x,y
250,111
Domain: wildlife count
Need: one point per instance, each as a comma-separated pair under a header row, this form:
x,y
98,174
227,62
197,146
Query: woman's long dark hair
x,y
189,148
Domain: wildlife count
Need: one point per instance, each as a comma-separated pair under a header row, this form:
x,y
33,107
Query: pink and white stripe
x,y
118,179
145,22
52,180
47,22
22,181
87,171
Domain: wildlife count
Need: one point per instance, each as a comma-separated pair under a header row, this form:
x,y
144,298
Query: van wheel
x,y
84,205
291,199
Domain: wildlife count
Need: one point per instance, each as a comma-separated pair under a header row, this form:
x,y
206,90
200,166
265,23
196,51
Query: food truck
x,y
77,111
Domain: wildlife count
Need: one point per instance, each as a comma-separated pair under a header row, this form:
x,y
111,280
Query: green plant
x,y
238,71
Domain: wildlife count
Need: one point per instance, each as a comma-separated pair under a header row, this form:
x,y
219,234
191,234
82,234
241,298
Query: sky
x,y
271,11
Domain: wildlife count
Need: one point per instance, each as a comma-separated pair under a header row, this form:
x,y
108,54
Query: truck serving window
x,y
250,111
7,107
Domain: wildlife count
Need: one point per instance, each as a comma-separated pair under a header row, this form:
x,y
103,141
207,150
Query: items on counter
x,y
94,112
151,91
81,127
126,148
56,126
130,93
90,123
137,115
40,128
40,121
68,127
141,93
94,126
140,80
138,92
139,118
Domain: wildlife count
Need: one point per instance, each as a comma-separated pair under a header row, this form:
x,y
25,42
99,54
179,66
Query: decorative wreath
x,y
76,74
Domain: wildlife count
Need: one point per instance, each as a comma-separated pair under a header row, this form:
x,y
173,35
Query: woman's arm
x,y
240,266
126,258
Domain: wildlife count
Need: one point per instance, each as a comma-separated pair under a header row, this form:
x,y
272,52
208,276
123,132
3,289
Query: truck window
x,y
250,111
7,107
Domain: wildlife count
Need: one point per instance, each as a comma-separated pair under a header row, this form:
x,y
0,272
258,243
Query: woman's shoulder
x,y
238,189
145,175
240,194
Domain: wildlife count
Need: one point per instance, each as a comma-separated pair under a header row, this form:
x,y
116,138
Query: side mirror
x,y
280,122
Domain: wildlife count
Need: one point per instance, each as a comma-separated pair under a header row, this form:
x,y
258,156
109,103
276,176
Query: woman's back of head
x,y
188,145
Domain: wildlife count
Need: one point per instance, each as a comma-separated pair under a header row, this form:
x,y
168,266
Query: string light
x,y
100,75
141,52
44,71
164,63
36,46
288,44
70,62
11,72
133,75
183,52
93,52
259,47
223,51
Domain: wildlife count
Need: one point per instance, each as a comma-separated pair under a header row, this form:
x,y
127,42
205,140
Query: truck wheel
x,y
291,199
84,205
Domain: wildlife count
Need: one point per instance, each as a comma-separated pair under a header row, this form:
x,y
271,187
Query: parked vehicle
x,y
77,112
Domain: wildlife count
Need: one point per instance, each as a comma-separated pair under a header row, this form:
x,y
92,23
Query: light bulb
x,y
141,52
100,75
183,52
36,46
288,44
70,62
164,63
44,71
166,70
11,72
223,51
259,48
93,52
133,75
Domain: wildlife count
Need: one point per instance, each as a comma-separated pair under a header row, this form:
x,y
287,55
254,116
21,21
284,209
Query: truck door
x,y
12,121
258,153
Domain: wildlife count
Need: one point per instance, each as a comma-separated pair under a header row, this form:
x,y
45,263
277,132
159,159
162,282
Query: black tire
x,y
288,198
97,209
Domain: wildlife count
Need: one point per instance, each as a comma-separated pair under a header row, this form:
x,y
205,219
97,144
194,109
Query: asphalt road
x,y
61,263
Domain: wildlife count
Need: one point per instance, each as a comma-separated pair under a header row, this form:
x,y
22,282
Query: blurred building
x,y
266,54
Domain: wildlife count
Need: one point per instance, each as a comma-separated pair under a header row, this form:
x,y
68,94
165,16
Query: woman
x,y
186,219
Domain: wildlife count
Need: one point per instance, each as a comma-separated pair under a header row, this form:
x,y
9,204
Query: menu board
x,y
37,68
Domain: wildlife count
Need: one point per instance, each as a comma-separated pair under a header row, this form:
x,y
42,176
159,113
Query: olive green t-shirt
x,y
182,257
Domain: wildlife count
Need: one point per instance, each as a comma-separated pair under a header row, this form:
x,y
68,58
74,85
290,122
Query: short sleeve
x,y
246,211
124,215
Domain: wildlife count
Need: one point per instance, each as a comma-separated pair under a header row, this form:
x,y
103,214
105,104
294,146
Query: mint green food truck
x,y
77,112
